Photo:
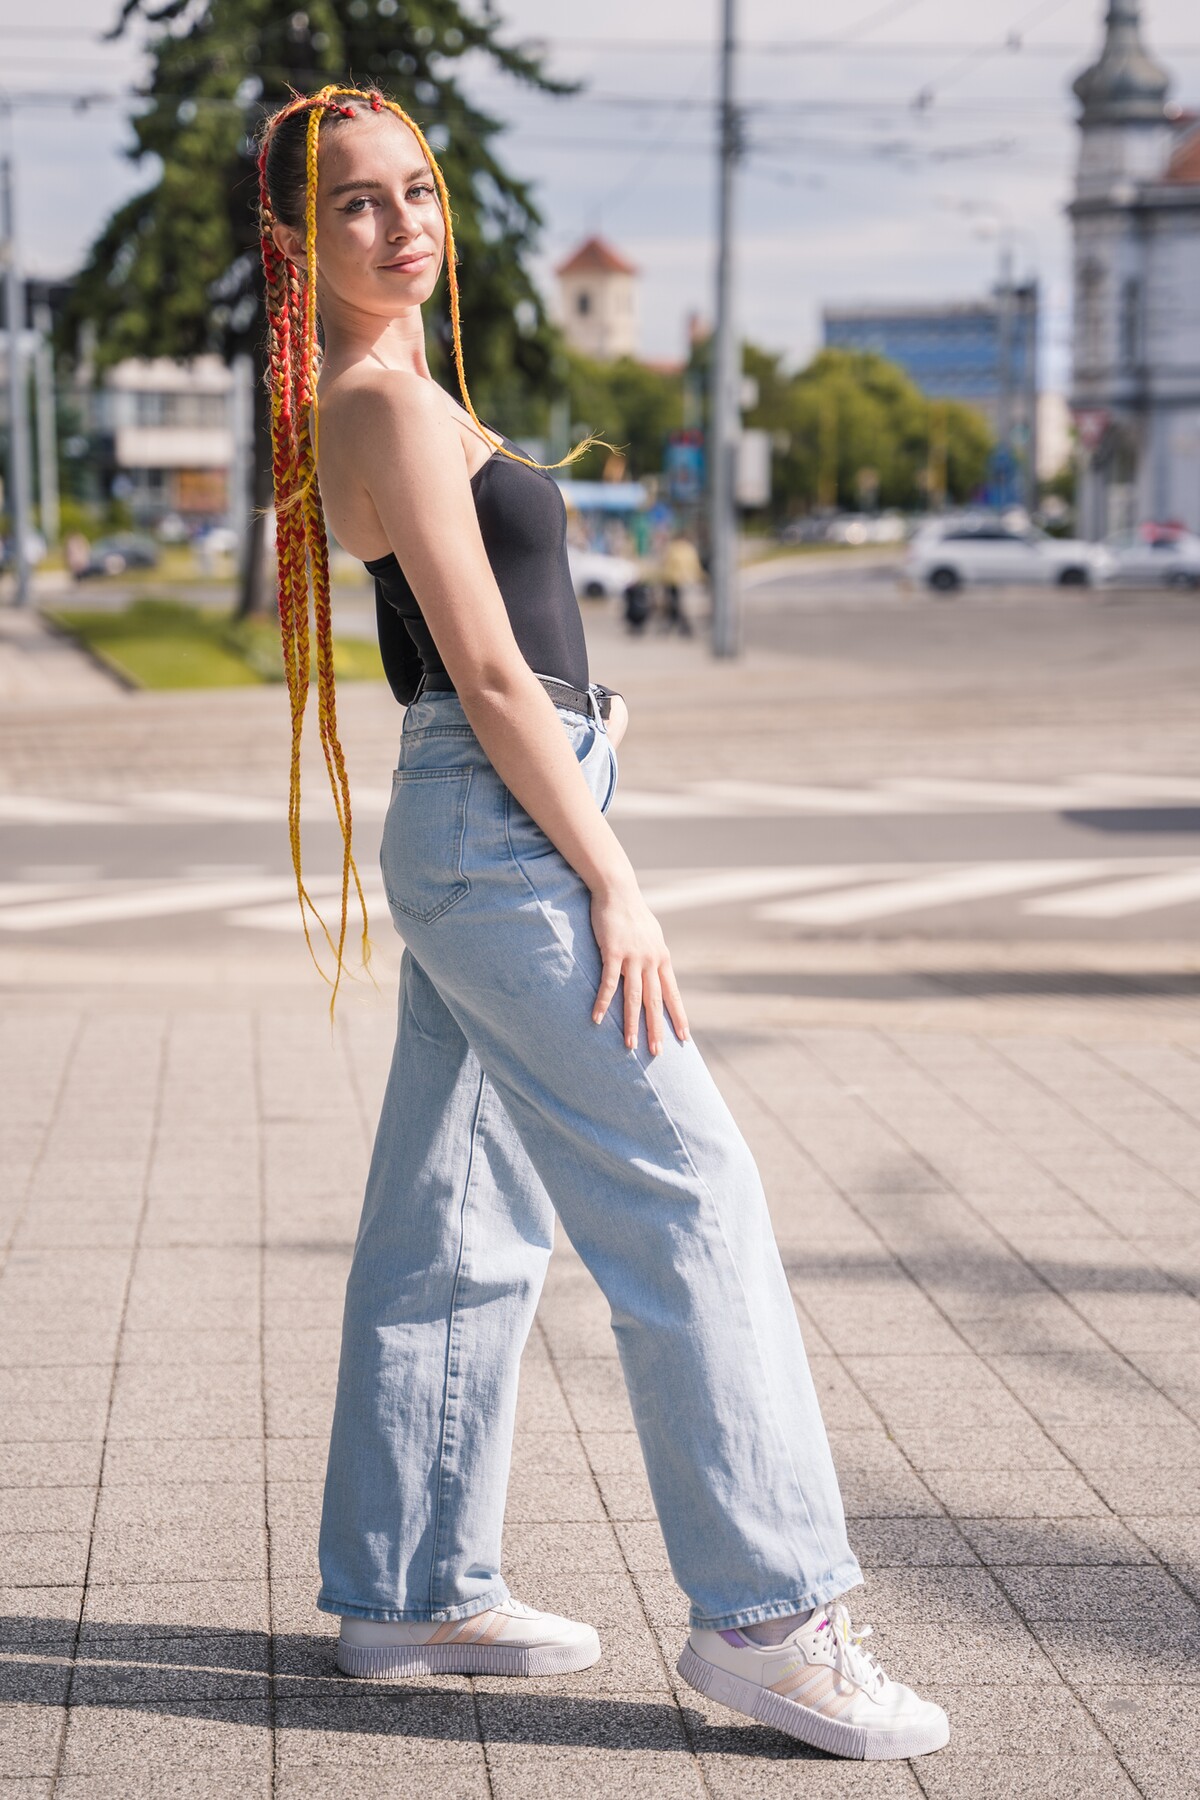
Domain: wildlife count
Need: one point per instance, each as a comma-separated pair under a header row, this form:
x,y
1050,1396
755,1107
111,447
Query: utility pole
x,y
47,428
725,375
1004,397
18,396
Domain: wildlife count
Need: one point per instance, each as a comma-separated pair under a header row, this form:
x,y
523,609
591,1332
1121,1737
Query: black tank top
x,y
523,522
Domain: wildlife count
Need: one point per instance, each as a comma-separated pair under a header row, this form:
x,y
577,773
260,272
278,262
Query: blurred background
x,y
894,326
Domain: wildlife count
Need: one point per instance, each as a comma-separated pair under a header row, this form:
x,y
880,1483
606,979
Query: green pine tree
x,y
175,272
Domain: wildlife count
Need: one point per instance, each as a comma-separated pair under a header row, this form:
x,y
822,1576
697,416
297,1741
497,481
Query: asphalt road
x,y
1098,852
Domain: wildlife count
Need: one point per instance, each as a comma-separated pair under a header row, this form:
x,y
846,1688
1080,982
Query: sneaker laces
x,y
849,1657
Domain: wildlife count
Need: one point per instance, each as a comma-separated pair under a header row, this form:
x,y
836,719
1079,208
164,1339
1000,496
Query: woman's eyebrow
x,y
357,187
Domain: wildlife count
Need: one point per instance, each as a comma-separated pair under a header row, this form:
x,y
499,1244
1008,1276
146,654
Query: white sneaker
x,y
509,1639
819,1685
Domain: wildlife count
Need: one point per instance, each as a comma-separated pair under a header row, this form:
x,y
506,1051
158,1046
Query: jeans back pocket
x,y
422,851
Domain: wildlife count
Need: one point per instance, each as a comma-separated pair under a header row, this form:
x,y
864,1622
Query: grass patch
x,y
164,644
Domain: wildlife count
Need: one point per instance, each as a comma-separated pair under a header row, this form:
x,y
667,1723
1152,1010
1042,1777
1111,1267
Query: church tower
x,y
1136,228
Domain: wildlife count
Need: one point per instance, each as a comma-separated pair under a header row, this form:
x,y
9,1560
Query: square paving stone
x,y
29,1739
1103,1654
955,1774
626,1496
909,1543
156,1553
1046,1542
296,1459
161,1671
1096,1594
560,1774
46,1509
188,1349
139,1461
1009,1494
1148,1492
358,1728
137,1612
546,1498
167,1784
61,1464
40,1558
31,1616
224,1735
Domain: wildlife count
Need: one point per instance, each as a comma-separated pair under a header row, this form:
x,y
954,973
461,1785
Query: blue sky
x,y
850,190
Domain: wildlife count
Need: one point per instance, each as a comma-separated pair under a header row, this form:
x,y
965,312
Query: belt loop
x,y
594,706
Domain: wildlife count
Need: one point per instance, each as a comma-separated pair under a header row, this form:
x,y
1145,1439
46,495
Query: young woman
x,y
543,1062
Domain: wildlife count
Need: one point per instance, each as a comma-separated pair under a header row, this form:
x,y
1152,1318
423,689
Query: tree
x,y
851,424
176,271
631,404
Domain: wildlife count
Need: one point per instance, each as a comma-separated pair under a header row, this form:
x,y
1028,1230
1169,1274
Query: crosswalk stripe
x,y
181,803
1118,899
976,881
40,809
790,797
668,893
645,803
951,791
1145,787
158,901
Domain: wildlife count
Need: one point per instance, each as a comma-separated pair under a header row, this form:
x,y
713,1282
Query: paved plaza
x,y
979,1128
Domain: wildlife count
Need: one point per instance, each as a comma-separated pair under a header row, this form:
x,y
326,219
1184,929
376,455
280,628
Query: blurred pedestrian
x,y
679,570
543,1059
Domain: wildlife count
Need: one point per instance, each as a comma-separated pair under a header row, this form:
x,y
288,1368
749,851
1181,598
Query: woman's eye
x,y
355,205
423,189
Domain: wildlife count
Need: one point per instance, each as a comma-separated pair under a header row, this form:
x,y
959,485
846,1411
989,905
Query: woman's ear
x,y
290,243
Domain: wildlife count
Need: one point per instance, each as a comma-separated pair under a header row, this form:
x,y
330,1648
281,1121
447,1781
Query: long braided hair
x,y
302,550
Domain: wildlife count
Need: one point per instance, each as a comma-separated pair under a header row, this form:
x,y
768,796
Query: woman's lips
x,y
406,264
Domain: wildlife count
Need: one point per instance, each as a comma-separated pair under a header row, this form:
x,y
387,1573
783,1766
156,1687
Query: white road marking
x,y
179,803
1119,899
39,809
909,794
1145,787
677,892
793,798
973,881
949,791
155,901
17,892
284,915
644,803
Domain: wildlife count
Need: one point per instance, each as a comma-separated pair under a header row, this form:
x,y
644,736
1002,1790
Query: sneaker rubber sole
x,y
803,1722
394,1662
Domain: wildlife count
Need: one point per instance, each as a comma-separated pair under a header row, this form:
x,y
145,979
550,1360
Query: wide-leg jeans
x,y
506,1105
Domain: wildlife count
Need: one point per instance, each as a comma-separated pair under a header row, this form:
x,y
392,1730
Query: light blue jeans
x,y
505,1104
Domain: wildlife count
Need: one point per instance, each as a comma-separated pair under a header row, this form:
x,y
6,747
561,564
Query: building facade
x,y
1135,217
170,438
597,295
982,352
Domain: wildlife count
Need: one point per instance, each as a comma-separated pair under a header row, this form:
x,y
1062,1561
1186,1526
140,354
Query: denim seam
x,y
449,1394
462,884
350,1609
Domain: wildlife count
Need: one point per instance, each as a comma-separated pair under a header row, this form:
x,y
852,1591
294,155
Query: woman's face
x,y
380,231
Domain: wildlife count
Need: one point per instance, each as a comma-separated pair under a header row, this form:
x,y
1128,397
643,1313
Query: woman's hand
x,y
617,722
633,949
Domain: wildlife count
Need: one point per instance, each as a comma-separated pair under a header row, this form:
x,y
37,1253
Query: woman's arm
x,y
409,458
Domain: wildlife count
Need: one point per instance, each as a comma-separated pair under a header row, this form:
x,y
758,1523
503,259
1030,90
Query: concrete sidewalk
x,y
995,1247
983,1163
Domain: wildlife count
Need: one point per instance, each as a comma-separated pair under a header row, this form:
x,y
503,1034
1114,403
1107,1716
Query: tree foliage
x,y
852,426
175,271
634,406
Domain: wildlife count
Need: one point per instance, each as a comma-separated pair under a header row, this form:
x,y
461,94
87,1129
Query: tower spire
x,y
1126,85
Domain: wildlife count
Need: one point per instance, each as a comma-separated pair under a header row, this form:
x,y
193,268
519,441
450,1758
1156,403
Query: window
x,y
583,303
195,411
1130,321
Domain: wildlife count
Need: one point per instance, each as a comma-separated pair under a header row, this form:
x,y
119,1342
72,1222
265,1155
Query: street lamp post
x,y
19,496
724,405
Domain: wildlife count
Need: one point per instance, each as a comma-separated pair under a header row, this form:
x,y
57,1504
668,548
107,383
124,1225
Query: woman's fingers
x,y
673,1001
652,1002
633,1003
610,975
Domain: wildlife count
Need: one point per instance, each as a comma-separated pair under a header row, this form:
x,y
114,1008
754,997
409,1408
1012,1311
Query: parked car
x,y
1156,553
114,555
947,556
598,576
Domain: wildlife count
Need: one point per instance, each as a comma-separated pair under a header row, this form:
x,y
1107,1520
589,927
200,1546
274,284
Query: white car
x,y
1156,553
598,576
971,550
